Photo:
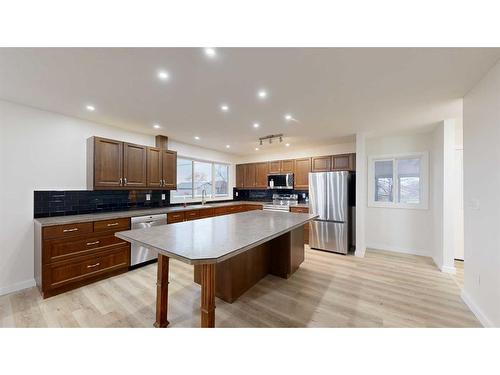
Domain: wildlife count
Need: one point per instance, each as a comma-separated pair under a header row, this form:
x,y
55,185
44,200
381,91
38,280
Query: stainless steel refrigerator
x,y
329,198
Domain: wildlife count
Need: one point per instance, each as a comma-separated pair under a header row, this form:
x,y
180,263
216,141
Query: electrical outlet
x,y
236,193
148,197
163,197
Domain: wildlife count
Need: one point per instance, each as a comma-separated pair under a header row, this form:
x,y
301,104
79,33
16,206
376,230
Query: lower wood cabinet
x,y
71,255
306,226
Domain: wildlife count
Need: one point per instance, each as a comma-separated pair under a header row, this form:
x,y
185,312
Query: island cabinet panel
x,y
154,167
240,176
281,257
275,166
169,169
250,174
69,256
306,226
321,164
107,162
346,162
301,174
134,166
261,171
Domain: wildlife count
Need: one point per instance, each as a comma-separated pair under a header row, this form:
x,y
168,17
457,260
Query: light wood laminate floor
x,y
384,289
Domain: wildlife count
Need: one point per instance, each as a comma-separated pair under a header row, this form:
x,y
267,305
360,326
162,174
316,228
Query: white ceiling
x,y
332,92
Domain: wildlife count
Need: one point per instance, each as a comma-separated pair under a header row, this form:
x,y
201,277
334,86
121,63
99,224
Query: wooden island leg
x,y
162,292
208,295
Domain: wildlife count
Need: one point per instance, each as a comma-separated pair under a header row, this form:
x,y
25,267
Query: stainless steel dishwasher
x,y
139,255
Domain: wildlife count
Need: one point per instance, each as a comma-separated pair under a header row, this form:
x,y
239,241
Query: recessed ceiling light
x,y
196,137
256,149
256,124
228,146
210,52
288,117
287,145
90,108
262,94
163,75
156,126
224,108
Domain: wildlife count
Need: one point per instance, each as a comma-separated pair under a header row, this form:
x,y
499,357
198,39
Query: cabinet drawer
x,y
175,217
221,210
62,273
300,209
63,248
114,225
252,207
67,230
191,215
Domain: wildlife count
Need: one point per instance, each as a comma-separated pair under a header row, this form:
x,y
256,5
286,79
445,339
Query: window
x,y
194,176
398,181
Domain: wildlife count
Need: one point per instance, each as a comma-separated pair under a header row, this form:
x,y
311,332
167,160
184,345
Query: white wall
x,y
289,153
46,151
399,229
482,198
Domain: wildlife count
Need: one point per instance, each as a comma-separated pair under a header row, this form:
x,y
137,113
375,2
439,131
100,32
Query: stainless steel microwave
x,y
280,181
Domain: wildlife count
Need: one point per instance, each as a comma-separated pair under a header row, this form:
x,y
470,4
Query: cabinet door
x,y
154,165
261,175
240,176
169,166
344,162
287,166
301,173
108,159
321,164
134,166
275,166
250,175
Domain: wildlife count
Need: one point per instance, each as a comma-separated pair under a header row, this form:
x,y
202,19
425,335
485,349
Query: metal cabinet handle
x,y
112,225
125,181
92,243
162,182
93,265
120,181
70,230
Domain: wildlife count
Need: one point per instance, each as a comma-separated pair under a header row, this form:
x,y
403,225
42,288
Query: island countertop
x,y
215,239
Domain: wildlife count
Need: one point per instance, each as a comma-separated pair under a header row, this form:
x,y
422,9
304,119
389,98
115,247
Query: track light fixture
x,y
270,138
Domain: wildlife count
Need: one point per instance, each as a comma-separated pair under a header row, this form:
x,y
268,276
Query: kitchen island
x,y
230,253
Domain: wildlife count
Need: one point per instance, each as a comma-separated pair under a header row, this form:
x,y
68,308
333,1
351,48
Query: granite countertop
x,y
71,219
215,239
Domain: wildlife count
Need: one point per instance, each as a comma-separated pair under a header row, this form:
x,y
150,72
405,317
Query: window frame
x,y
193,197
424,181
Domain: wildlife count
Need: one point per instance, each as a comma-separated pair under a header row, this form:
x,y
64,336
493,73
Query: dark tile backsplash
x,y
76,202
265,195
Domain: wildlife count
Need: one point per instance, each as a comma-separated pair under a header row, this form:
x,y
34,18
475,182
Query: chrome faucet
x,y
203,195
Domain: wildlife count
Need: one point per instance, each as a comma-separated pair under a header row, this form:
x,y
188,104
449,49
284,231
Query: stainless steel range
x,y
282,202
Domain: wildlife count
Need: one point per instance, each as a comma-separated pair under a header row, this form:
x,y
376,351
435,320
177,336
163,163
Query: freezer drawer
x,y
329,236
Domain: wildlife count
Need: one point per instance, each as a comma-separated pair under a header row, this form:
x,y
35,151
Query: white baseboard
x,y
448,269
17,286
483,319
398,249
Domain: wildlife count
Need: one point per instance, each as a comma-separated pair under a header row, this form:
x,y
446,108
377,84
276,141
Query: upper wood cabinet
x,y
250,174
345,162
154,167
113,164
104,163
301,173
321,163
240,175
275,166
134,165
280,166
261,171
169,169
